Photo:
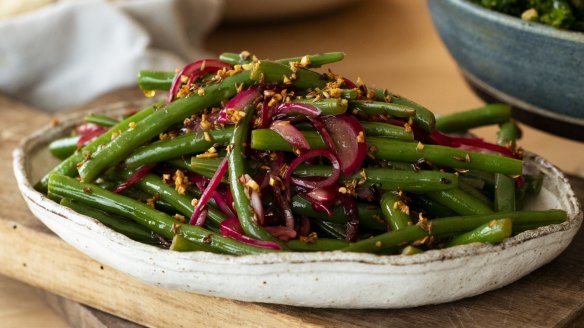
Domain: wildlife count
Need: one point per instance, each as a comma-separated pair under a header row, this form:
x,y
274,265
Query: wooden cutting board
x,y
552,296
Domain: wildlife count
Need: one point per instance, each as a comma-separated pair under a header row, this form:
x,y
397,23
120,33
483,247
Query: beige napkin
x,y
71,51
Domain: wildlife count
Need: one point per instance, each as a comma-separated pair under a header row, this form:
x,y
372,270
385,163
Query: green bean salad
x,y
246,156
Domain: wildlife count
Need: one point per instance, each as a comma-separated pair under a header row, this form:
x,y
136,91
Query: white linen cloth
x,y
71,51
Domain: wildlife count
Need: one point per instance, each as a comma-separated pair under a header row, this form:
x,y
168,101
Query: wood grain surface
x,y
388,43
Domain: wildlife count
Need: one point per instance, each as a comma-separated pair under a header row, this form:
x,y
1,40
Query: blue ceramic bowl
x,y
529,65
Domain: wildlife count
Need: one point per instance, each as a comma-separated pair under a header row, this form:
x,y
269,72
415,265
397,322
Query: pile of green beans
x,y
144,176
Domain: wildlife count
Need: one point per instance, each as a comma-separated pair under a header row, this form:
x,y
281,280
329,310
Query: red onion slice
x,y
323,195
197,219
257,206
231,227
238,102
321,207
196,74
296,108
520,181
304,226
229,200
222,204
472,144
282,233
290,133
266,115
352,214
321,199
209,65
310,183
255,200
350,84
134,178
349,139
87,132
320,127
283,204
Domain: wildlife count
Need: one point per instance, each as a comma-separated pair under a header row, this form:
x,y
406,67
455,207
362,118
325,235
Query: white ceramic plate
x,y
326,279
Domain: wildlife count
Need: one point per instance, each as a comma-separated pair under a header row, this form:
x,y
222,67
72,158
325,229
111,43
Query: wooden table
x,y
388,43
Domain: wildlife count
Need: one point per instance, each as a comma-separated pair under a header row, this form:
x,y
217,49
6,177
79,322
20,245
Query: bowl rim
x,y
44,135
517,23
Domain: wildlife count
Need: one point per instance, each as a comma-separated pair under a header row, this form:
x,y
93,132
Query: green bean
x,y
505,186
431,208
332,229
462,121
181,244
532,185
205,166
423,118
349,94
64,147
233,58
153,185
394,165
370,216
101,120
128,228
393,212
411,250
187,144
237,170
401,151
266,139
155,80
318,245
379,129
150,127
143,196
185,164
413,181
492,232
451,226
396,150
389,149
315,60
331,106
508,134
387,241
384,108
68,167
460,201
472,181
271,73
158,222
140,195
504,193
488,178
475,193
